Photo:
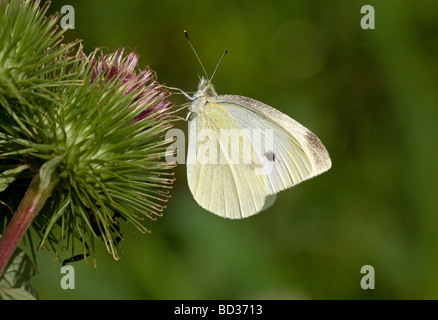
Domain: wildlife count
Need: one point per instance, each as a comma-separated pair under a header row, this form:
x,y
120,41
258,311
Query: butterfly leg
x,y
180,90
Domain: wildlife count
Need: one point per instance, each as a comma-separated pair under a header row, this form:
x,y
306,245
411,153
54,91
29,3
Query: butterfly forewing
x,y
295,153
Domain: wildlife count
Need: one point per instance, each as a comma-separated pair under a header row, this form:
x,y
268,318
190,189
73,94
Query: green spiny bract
x,y
101,123
30,47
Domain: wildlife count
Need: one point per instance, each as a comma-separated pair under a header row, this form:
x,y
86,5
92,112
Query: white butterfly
x,y
242,152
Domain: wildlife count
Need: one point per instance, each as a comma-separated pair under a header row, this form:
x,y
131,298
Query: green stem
x,y
33,201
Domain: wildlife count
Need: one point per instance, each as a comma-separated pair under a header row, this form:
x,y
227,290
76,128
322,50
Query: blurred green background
x,y
370,95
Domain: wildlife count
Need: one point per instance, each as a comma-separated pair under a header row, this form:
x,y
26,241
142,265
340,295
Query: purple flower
x,y
151,95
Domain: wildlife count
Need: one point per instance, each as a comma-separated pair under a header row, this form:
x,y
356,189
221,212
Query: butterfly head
x,y
205,89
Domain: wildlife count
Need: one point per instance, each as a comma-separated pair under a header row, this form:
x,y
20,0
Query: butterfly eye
x,y
203,85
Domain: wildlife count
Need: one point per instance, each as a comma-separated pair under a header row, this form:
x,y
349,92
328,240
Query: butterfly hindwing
x,y
221,181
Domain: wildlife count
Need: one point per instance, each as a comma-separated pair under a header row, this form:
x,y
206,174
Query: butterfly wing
x,y
222,184
294,155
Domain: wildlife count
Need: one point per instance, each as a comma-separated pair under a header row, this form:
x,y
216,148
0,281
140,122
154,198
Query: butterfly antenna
x,y
188,40
214,72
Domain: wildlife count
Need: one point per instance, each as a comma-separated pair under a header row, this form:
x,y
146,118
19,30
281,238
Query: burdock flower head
x,y
91,154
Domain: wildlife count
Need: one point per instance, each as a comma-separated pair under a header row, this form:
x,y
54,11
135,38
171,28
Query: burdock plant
x,y
83,134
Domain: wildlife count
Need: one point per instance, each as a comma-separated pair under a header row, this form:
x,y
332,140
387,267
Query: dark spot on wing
x,y
270,155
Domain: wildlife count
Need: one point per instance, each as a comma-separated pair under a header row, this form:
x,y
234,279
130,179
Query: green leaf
x,y
14,284
8,176
15,294
47,170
